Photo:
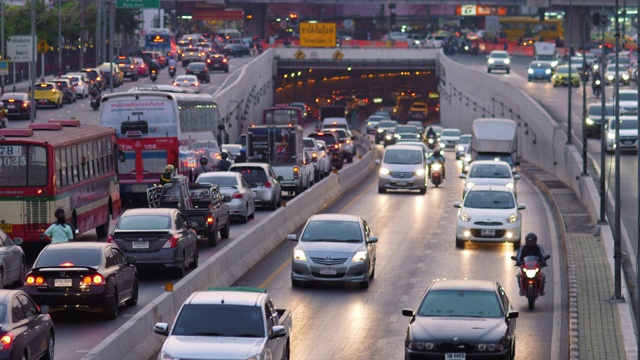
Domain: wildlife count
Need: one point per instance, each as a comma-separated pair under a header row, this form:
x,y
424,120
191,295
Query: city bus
x,y
160,40
282,115
154,129
57,164
517,27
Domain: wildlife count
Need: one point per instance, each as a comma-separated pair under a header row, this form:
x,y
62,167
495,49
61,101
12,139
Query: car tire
x,y
182,269
103,230
134,294
51,345
381,190
23,272
296,283
364,284
212,237
273,204
245,218
373,272
110,310
226,230
517,244
424,190
196,257
226,70
489,71
460,244
508,71
349,158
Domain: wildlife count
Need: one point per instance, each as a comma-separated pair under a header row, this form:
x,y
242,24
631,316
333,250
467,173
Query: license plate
x,y
11,106
401,183
328,271
62,283
455,356
6,227
140,244
216,65
487,232
138,188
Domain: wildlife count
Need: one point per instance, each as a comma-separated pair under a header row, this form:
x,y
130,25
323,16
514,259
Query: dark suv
x,y
68,90
127,66
95,75
200,70
333,145
218,62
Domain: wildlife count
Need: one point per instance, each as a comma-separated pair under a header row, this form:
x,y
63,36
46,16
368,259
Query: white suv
x,y
498,60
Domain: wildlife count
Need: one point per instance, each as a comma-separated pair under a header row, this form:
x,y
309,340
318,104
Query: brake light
x,y
7,341
11,100
110,239
33,280
236,195
53,91
225,60
131,66
209,220
172,242
24,104
348,141
267,184
314,155
296,172
95,279
336,146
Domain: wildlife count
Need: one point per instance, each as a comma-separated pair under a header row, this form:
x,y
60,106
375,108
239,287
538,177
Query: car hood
x,y
323,248
489,181
403,167
450,138
489,215
458,329
212,347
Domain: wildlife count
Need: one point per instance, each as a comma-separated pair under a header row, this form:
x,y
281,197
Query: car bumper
x,y
167,258
478,233
408,183
625,144
237,207
218,67
46,102
539,77
17,113
429,355
499,67
94,296
346,272
263,196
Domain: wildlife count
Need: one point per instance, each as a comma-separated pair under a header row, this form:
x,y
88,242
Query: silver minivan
x,y
403,167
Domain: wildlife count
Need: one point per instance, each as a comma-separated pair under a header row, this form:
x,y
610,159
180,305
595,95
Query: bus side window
x,y
58,169
101,157
90,155
77,173
83,160
110,155
64,165
94,158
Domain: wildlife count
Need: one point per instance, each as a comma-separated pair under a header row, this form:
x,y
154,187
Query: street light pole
x,y
570,85
603,140
584,99
617,228
60,34
32,67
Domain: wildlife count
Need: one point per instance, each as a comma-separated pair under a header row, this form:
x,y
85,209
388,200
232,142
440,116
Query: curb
x,y
574,352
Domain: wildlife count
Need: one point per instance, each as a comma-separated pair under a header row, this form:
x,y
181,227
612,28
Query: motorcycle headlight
x,y
596,67
430,140
436,166
388,137
507,61
420,172
589,121
359,256
467,158
464,217
384,171
299,255
530,71
396,136
491,61
531,273
548,71
380,131
610,77
512,218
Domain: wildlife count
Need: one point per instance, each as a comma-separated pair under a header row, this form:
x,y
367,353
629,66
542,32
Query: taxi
x,y
561,76
48,94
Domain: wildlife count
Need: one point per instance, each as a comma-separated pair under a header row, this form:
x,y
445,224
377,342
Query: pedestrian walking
x,y
59,231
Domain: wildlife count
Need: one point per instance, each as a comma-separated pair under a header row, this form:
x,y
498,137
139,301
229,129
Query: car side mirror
x,y
457,204
462,176
44,309
377,161
514,258
373,239
513,315
407,312
280,178
18,241
516,176
547,257
292,237
161,328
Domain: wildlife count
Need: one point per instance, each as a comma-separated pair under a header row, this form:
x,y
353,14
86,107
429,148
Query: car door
x,y
24,332
273,349
248,194
371,247
36,324
7,261
114,271
189,237
127,272
273,178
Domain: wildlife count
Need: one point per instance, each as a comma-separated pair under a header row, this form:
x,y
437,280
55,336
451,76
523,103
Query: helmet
x,y
170,168
243,151
224,155
531,239
204,160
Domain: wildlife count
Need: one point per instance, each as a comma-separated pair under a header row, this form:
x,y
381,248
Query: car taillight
x,y
94,279
209,220
236,195
24,104
33,280
131,66
267,184
53,91
296,172
348,141
172,242
7,341
224,60
314,155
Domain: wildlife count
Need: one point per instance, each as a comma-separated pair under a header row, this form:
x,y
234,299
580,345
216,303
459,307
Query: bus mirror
x,y
121,157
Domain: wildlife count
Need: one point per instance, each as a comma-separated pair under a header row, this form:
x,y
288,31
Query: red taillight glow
x,y
314,155
67,264
171,243
110,239
35,280
209,220
24,104
267,184
95,279
236,195
7,341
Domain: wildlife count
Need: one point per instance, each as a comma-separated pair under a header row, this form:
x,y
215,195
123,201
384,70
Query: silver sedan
x,y
263,181
242,205
334,248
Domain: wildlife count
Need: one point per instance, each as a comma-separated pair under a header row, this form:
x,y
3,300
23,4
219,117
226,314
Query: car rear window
x,y
196,66
252,175
68,257
74,79
62,84
45,87
123,61
144,222
92,74
328,138
309,143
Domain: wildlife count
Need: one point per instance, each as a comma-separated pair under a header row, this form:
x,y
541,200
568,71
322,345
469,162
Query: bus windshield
x,y
148,118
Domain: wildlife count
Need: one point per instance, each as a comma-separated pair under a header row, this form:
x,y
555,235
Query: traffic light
x,y
392,19
293,19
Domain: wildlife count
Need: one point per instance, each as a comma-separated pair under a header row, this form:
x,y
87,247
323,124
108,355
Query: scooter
x,y
95,99
436,173
431,142
154,75
530,278
172,71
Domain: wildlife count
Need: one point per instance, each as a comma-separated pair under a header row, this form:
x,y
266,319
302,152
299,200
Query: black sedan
x,y
236,50
158,238
18,105
86,276
218,62
200,70
460,319
26,330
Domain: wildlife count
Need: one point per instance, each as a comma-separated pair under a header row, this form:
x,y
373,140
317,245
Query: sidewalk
x,y
596,330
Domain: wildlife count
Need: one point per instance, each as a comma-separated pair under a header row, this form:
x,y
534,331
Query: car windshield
x,y
144,222
387,124
195,66
495,157
489,200
464,139
540,65
74,79
625,124
309,143
490,171
332,231
632,96
327,138
406,129
460,303
450,133
562,70
596,110
68,257
404,157
500,55
219,320
251,175
222,181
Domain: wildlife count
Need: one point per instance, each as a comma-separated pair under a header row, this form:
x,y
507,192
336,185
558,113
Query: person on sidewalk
x,y
531,248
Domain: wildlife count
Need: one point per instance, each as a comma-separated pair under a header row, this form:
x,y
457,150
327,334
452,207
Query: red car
x,y
143,69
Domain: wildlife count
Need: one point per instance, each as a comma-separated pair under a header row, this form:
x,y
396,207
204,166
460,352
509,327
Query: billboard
x,y
317,34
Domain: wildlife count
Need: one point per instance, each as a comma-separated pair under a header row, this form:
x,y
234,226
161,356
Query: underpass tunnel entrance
x,y
362,87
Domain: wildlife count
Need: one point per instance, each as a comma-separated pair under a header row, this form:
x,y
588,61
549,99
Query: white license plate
x,y
328,271
62,283
140,244
11,106
138,188
487,232
401,183
216,65
455,356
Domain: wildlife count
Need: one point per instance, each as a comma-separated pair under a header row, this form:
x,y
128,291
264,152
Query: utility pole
x,y
603,140
34,56
60,35
82,31
112,32
617,254
570,84
98,40
584,98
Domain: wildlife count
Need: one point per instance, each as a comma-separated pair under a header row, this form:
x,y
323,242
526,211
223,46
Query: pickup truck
x,y
209,213
234,323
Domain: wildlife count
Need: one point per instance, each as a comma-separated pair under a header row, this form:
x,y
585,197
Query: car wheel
x,y
459,244
373,272
286,352
23,272
103,230
110,310
273,204
508,71
226,70
245,218
516,245
364,284
50,352
253,212
196,257
296,283
24,356
489,71
56,106
212,237
349,158
224,233
381,190
424,190
134,294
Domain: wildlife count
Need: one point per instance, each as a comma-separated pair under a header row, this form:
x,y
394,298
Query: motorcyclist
x,y
431,133
242,157
165,178
153,65
223,164
531,248
596,85
435,157
203,168
172,61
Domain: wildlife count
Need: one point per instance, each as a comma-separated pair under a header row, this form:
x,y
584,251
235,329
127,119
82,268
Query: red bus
x,y
282,115
58,164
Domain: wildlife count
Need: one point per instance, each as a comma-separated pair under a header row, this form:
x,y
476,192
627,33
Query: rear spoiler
x,y
58,268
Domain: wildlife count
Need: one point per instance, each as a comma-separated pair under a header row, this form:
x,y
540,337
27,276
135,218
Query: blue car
x,y
539,70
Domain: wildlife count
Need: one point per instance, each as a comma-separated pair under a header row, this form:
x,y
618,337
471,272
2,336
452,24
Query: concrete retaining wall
x,y
135,340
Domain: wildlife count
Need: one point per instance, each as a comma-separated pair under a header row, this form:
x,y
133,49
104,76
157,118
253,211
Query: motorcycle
x,y
95,99
431,142
172,71
436,173
530,278
597,88
154,75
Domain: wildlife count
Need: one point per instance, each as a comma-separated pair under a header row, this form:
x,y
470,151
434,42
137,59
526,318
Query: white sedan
x,y
80,81
489,172
243,204
188,81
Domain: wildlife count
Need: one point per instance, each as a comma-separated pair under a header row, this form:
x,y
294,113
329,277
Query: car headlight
x,y
464,217
299,255
611,136
396,136
530,71
512,218
491,347
421,345
384,171
596,67
469,185
388,137
509,186
554,63
380,131
467,158
610,77
420,172
548,71
359,256
491,61
507,61
460,148
531,273
589,121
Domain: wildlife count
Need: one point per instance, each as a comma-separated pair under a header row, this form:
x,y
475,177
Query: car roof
x,y
335,217
226,297
79,245
463,284
218,174
250,165
489,162
6,294
490,187
9,95
148,211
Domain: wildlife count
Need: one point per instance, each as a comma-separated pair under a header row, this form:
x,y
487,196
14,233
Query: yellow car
x,y
418,111
561,76
48,94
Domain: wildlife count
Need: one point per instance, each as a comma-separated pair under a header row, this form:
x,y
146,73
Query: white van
x,y
229,34
335,122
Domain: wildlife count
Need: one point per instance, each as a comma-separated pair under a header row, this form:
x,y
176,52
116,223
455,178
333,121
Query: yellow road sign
x,y
299,55
338,55
43,47
317,34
